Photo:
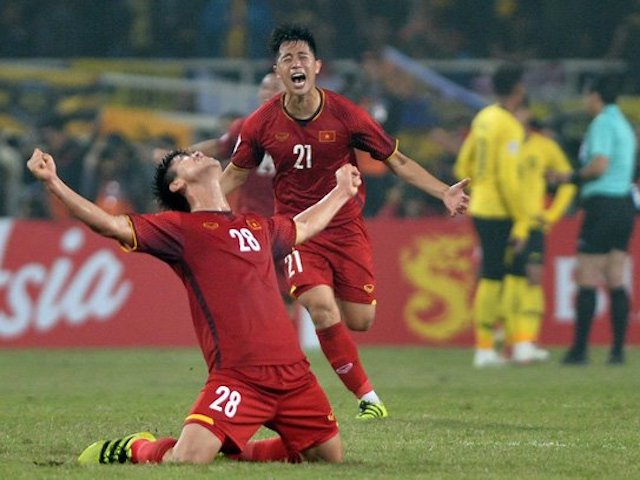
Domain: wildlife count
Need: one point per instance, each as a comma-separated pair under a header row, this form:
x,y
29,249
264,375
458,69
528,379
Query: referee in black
x,y
607,167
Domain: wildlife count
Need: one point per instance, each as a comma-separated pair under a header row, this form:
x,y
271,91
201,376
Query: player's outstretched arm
x,y
315,218
453,197
209,147
233,177
43,167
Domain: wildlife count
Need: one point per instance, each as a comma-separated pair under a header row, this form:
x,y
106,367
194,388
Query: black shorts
x,y
533,253
494,237
607,225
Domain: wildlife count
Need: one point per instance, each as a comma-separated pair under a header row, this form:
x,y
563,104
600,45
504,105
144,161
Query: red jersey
x,y
227,141
306,154
225,262
256,194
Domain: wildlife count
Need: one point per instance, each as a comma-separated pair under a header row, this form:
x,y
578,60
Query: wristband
x,y
575,178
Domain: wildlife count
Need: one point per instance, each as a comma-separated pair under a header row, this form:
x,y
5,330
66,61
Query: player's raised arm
x,y
233,177
453,197
315,218
43,167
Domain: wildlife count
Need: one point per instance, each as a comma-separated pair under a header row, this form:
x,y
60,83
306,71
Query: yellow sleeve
x,y
463,167
561,201
510,182
558,162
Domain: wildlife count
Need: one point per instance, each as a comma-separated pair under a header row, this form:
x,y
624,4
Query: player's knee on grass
x,y
329,451
196,445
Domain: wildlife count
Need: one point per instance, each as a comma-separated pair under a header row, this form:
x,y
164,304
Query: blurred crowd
x,y
115,171
343,28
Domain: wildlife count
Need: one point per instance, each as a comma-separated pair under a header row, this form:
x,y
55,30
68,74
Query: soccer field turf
x,y
447,420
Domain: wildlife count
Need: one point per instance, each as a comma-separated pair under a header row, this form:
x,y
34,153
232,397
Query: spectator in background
x,y
516,25
11,167
15,38
69,151
605,176
50,38
430,32
625,44
114,174
235,28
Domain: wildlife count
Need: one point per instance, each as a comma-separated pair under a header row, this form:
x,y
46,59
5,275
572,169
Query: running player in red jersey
x,y
258,375
309,132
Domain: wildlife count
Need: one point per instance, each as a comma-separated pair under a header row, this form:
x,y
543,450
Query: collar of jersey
x,y
315,115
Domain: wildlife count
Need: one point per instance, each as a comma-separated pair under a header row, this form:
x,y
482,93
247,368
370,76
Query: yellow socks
x,y
486,311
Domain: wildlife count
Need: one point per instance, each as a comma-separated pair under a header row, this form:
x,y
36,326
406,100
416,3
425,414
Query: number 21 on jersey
x,y
293,263
303,156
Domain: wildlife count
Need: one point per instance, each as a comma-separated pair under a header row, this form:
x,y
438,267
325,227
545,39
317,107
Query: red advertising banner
x,y
62,285
426,273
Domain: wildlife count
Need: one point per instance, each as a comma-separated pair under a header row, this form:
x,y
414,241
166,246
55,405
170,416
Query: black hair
x,y
506,77
291,33
162,178
607,86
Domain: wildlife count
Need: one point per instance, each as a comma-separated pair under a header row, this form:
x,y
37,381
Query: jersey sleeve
x,y
463,166
158,234
557,159
510,179
248,153
563,197
367,134
283,235
601,141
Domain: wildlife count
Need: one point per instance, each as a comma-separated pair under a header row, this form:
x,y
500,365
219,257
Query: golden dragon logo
x,y
441,270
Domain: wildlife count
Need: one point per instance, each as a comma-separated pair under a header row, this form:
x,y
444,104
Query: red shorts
x,y
235,403
340,257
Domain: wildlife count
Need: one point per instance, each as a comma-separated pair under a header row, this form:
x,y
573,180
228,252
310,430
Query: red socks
x,y
269,450
146,451
341,351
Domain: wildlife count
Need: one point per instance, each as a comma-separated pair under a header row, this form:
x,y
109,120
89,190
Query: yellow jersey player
x,y
523,298
490,156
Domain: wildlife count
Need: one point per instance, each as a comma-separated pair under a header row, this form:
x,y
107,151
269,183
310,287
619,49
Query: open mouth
x,y
298,79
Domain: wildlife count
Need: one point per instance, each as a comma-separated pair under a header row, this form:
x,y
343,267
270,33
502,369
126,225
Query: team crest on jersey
x,y
282,136
327,136
210,225
369,287
253,224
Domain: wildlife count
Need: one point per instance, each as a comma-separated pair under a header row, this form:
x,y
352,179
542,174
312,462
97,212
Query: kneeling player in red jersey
x,y
258,375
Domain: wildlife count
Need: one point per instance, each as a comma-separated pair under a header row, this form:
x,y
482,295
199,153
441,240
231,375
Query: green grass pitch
x,y
447,420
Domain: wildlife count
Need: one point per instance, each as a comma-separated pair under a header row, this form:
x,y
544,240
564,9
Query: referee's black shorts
x,y
607,224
